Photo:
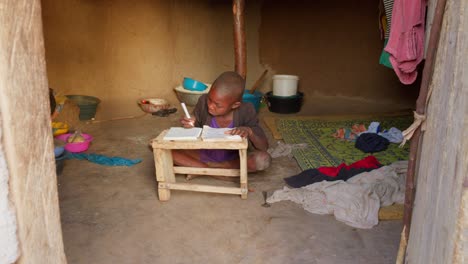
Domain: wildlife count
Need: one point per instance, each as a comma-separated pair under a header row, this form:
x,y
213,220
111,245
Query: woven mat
x,y
325,150
392,212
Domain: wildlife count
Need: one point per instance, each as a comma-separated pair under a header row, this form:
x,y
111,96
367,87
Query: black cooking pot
x,y
284,104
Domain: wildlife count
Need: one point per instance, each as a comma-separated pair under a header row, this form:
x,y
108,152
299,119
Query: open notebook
x,y
206,134
217,134
180,133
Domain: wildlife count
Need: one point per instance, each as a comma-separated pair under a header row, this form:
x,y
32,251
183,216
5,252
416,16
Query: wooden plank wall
x,y
27,137
431,5
461,239
438,227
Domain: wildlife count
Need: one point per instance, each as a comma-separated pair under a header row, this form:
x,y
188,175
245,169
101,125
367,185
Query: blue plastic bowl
x,y
254,98
58,151
193,85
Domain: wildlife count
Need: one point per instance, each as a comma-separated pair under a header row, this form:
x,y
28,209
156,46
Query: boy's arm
x,y
200,111
258,139
249,123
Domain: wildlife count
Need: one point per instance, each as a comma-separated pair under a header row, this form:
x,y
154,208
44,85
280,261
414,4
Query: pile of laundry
x,y
342,172
370,140
352,193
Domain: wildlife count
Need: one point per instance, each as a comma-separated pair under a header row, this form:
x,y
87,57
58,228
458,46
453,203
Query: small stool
x,y
165,169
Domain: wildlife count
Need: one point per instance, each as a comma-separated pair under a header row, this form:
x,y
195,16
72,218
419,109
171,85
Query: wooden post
x,y
240,49
438,223
26,136
164,172
421,103
243,172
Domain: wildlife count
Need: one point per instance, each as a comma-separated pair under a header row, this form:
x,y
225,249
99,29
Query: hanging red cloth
x,y
406,42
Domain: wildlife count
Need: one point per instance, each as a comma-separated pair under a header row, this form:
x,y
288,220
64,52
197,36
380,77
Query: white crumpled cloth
x,y
355,202
281,149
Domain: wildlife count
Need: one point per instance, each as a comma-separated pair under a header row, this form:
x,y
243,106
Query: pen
x,y
186,111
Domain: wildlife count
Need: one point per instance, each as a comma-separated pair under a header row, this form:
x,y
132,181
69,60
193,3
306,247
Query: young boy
x,y
223,107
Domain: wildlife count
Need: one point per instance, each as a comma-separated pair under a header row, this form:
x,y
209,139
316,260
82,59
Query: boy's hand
x,y
187,122
241,131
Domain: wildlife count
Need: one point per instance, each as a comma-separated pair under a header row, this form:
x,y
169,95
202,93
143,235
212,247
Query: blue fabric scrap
x,y
374,127
104,160
393,135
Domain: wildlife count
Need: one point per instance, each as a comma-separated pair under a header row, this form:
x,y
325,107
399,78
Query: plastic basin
x,y
152,105
254,98
77,146
193,85
58,151
59,128
87,105
189,97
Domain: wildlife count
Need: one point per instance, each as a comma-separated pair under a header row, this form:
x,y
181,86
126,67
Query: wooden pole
x,y
32,233
421,104
240,49
258,82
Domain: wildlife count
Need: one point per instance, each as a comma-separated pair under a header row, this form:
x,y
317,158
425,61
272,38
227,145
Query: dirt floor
x,y
113,215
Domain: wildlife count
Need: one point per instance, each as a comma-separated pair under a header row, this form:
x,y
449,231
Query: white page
x,y
180,133
217,134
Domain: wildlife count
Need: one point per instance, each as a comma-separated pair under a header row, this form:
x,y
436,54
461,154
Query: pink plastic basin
x,y
78,146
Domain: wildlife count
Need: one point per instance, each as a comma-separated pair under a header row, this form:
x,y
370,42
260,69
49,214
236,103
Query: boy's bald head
x,y
230,84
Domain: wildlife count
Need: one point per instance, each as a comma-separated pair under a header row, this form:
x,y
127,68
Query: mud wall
x,y
122,50
334,46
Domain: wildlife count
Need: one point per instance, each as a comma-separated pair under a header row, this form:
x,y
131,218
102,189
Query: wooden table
x,y
165,169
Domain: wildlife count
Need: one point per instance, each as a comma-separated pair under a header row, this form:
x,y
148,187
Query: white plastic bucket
x,y
285,85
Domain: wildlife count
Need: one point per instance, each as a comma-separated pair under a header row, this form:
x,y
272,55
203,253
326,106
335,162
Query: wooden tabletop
x,y
160,143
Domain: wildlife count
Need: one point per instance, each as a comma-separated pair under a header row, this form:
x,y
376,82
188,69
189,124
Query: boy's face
x,y
219,105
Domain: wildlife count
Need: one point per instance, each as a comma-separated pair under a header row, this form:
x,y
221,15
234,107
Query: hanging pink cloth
x,y
406,42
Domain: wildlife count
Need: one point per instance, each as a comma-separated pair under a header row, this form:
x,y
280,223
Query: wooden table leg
x,y
164,172
243,173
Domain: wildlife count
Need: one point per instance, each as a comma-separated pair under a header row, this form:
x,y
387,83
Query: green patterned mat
x,y
325,150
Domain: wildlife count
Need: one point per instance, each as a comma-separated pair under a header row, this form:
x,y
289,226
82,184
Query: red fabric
x,y
369,162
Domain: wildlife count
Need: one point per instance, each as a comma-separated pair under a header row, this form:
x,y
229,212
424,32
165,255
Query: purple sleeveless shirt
x,y
218,155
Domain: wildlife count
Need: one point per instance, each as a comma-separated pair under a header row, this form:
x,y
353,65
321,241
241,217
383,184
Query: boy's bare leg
x,y
256,161
188,158
191,158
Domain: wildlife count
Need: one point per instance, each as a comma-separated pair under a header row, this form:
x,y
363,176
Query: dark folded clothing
x,y
311,176
371,143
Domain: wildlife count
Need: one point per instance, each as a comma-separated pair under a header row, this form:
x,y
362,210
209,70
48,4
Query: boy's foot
x,y
191,176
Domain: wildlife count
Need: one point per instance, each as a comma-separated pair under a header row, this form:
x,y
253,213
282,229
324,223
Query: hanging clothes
x,y
406,42
385,56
